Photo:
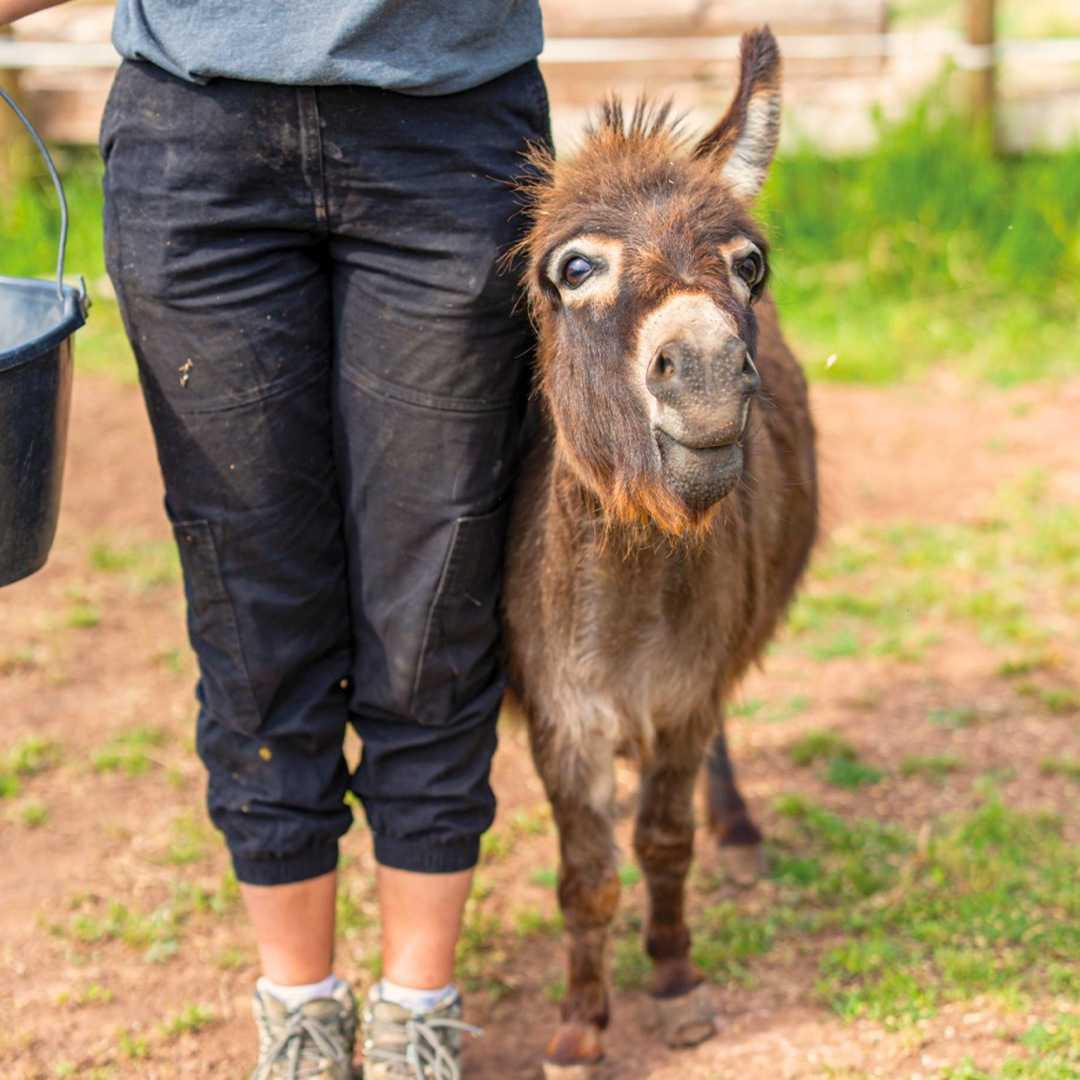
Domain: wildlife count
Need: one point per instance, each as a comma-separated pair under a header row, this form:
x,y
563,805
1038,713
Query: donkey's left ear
x,y
744,141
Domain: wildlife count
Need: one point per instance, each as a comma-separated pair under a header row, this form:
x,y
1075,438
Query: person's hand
x,y
10,10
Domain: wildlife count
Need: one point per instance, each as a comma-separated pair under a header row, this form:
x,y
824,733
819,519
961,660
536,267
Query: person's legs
x,y
220,266
421,919
294,928
432,375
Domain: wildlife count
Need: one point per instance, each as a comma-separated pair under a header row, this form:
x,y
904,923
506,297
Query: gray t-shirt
x,y
412,46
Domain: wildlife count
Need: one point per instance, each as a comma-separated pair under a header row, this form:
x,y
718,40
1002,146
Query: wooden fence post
x,y
979,34
11,131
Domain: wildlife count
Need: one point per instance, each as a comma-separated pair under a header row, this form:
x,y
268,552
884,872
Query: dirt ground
x,y
87,654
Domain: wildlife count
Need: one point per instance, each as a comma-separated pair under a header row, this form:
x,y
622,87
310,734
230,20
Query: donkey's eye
x,y
575,270
751,269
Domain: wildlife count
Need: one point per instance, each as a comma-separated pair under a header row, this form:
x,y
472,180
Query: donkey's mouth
x,y
699,475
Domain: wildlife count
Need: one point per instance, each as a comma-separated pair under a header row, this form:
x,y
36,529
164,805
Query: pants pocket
x,y
225,687
459,657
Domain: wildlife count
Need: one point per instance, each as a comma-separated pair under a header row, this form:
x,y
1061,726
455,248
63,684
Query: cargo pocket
x,y
215,637
459,657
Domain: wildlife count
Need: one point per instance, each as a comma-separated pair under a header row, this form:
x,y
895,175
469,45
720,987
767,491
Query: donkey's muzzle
x,y
702,391
700,476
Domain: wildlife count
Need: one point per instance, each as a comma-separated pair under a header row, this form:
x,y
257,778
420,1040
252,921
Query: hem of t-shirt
x,y
456,85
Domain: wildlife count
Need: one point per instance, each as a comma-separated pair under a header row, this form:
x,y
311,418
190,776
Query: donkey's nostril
x,y
663,367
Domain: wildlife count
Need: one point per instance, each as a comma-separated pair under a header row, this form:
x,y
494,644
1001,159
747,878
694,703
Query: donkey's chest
x,y
652,643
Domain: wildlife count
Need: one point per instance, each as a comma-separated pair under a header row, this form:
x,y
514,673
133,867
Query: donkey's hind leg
x,y
581,790
737,837
664,842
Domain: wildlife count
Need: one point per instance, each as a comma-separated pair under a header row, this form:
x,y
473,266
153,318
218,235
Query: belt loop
x,y
311,149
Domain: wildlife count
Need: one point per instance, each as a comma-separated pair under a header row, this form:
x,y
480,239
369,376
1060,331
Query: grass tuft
x,y
190,1019
129,751
932,766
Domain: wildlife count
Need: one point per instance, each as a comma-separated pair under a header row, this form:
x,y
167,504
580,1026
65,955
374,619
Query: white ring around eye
x,y
599,287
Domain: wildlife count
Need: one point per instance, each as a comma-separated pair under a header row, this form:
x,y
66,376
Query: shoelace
x,y
424,1049
290,1045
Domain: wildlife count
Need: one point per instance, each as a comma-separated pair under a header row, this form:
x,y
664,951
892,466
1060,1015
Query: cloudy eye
x,y
751,269
575,270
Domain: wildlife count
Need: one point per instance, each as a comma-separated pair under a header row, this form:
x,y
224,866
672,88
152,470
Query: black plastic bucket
x,y
37,321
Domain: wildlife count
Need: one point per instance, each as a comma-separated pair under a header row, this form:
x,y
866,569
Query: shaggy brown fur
x,y
632,611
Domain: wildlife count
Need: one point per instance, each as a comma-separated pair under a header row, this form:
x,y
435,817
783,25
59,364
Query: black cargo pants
x,y
336,377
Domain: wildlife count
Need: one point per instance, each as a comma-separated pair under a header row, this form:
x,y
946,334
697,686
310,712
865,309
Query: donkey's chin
x,y
699,475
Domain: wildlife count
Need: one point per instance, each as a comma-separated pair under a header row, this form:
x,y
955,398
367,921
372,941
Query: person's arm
x,y
10,10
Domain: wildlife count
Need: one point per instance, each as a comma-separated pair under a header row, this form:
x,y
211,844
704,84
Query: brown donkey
x,y
663,517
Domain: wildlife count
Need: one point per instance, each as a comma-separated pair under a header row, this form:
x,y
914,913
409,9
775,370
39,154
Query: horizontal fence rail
x,y
16,54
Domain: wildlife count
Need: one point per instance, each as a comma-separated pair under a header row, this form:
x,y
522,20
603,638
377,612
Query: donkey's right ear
x,y
744,141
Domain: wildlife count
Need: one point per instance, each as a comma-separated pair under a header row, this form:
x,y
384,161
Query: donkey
x,y
663,516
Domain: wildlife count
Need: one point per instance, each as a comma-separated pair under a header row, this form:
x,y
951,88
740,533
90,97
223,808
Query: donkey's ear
x,y
744,141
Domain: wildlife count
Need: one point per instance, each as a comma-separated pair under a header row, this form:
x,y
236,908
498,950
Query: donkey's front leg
x,y
581,790
664,842
738,839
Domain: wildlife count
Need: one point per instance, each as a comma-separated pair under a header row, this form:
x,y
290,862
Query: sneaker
x,y
313,1042
419,1046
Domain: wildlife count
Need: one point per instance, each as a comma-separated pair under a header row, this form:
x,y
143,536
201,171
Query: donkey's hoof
x,y
580,1071
574,1052
742,864
688,1019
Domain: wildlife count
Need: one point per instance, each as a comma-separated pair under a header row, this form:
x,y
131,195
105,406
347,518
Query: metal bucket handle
x,y
59,191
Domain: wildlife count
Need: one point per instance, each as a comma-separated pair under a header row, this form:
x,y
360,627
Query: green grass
x,y
725,940
189,1020
919,253
932,766
1061,766
33,755
352,917
851,773
630,967
156,933
83,615
1058,700
545,877
92,994
986,906
147,563
769,712
189,839
1051,1052
819,746
25,759
133,1046
990,909
129,751
232,957
529,922
34,814
842,765
897,590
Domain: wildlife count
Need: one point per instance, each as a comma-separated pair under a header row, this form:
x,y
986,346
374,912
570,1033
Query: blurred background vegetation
x,y
927,251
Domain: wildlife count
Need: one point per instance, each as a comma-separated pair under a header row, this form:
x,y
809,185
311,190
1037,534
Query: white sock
x,y
408,997
292,997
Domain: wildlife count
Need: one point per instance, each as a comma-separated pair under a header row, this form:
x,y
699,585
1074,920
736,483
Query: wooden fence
x,y
840,59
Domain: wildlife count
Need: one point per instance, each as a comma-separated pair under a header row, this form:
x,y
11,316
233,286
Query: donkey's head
x,y
643,266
